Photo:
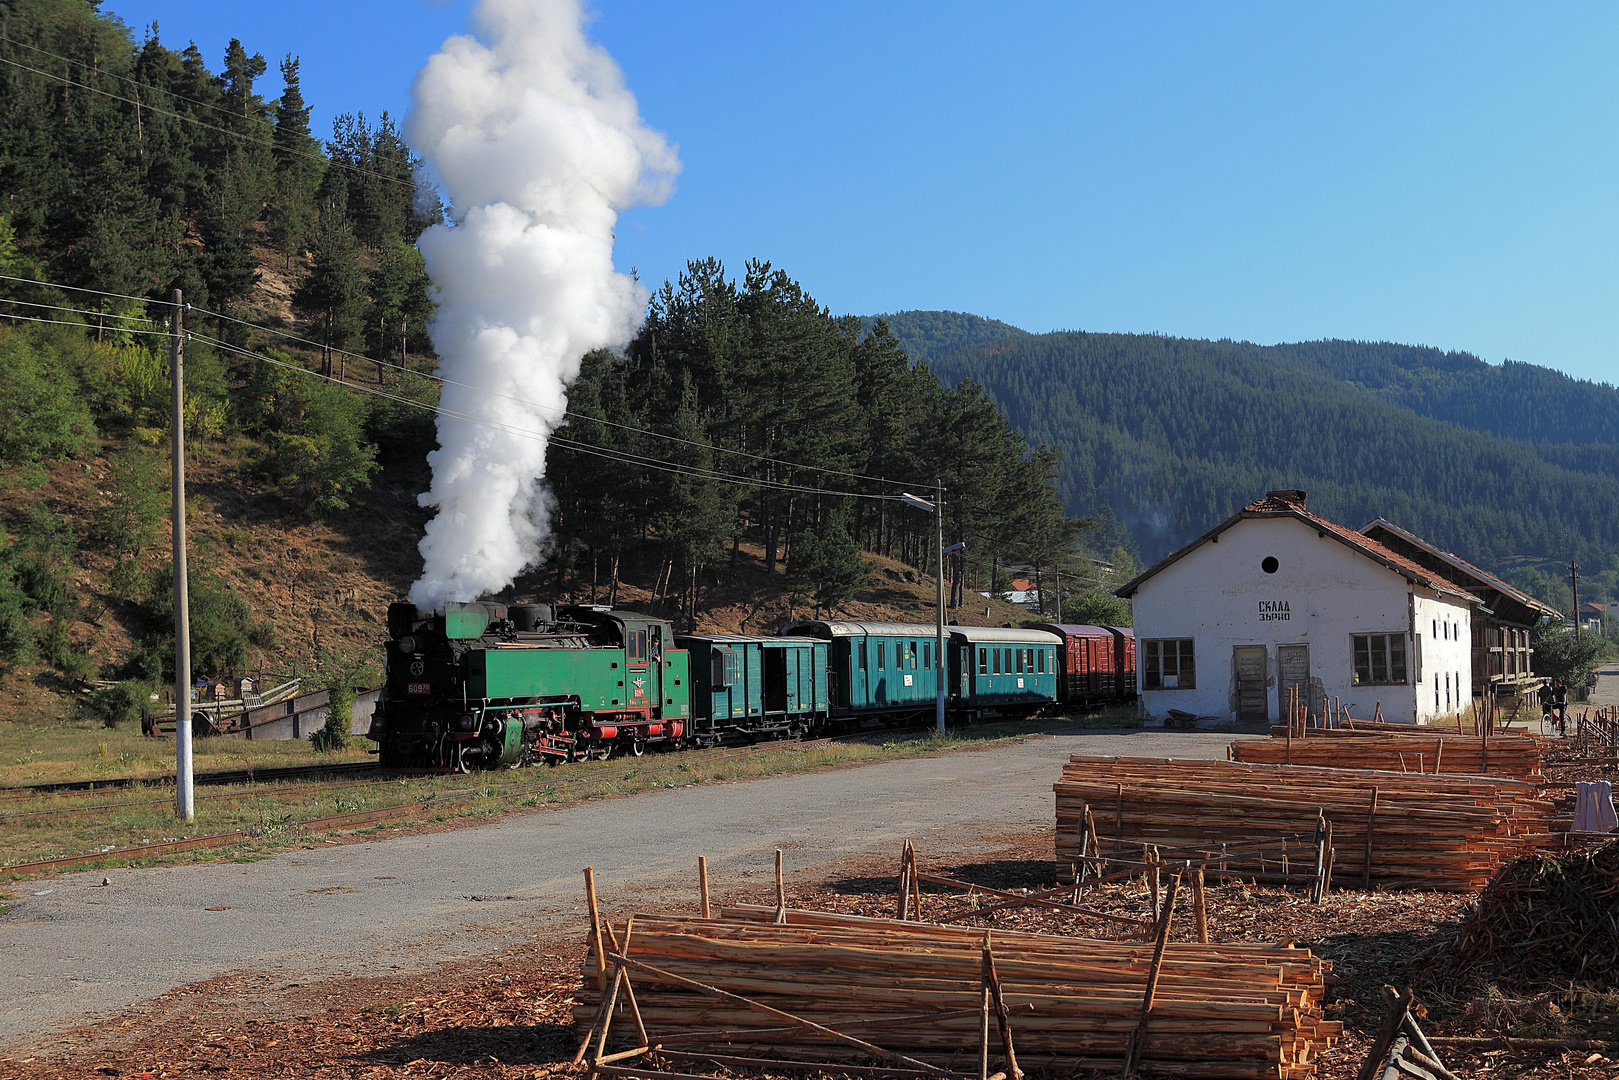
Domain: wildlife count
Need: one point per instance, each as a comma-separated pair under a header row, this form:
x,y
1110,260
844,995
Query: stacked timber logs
x,y
1515,757
1389,829
716,990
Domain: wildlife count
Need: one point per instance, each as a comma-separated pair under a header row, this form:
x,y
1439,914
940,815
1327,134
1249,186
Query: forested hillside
x,y
743,456
806,432
926,334
1495,463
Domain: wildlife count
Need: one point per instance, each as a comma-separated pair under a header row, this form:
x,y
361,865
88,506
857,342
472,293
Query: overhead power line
x,y
582,447
211,127
123,78
622,457
92,292
80,325
565,412
79,311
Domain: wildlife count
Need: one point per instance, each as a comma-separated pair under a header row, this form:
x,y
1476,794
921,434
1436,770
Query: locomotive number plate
x,y
419,688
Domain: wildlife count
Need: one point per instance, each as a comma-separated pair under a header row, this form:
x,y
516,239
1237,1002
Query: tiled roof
x,y
1291,504
1466,567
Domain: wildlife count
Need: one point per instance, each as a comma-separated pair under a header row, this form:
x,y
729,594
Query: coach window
x,y
1007,660
862,656
882,655
913,656
1040,663
725,667
983,661
1169,664
995,661
927,656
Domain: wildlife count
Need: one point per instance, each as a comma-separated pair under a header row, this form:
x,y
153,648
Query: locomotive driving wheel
x,y
637,747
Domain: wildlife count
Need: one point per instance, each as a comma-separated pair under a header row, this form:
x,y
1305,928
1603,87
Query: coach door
x,y
1293,661
1249,664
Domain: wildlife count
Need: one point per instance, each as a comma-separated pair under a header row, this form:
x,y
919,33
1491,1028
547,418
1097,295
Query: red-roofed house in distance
x,y
1276,597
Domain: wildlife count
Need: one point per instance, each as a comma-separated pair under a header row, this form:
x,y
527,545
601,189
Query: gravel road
x,y
72,950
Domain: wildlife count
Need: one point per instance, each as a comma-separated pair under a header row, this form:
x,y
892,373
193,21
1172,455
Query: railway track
x,y
231,776
380,815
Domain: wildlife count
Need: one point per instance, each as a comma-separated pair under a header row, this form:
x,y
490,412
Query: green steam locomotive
x,y
487,684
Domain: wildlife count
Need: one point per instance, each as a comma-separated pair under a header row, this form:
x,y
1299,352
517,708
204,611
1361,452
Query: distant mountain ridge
x,y
1174,434
926,334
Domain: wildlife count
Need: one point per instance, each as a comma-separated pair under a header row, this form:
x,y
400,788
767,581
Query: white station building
x,y
1277,597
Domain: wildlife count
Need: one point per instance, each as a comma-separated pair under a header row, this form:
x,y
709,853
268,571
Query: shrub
x,y
118,704
131,512
46,415
334,734
220,622
315,436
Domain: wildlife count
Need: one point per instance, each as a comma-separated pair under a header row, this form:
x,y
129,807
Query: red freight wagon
x,y
1097,663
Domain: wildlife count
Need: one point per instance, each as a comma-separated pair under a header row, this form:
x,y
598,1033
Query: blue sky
x,y
1439,174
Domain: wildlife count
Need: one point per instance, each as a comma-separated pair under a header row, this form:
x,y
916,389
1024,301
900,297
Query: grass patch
x,y
35,753
275,815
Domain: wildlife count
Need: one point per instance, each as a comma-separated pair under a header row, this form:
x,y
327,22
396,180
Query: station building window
x,y
1379,659
1169,664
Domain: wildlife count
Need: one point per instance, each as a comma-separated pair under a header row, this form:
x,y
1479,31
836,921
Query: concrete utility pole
x,y
184,803
938,589
936,507
1574,580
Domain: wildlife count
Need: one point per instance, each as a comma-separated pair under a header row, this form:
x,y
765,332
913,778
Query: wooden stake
x,y
1326,885
983,1035
992,984
781,892
1320,855
1291,693
1199,907
596,928
1132,1052
602,1011
1397,1004
903,900
629,991
702,886
1366,867
1090,832
1153,880
916,888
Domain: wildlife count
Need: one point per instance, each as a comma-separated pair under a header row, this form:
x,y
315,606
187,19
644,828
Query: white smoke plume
x,y
539,145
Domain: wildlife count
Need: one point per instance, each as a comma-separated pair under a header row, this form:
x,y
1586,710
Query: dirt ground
x,y
509,1015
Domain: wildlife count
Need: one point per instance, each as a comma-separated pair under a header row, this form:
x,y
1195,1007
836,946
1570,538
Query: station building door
x,y
1248,661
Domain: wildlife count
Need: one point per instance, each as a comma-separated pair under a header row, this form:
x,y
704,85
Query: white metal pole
x,y
938,651
184,805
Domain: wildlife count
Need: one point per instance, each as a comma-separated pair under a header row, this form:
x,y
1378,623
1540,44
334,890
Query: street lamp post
x,y
936,508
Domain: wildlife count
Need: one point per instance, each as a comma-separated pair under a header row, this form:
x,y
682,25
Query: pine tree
x,y
333,291
292,211
826,566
